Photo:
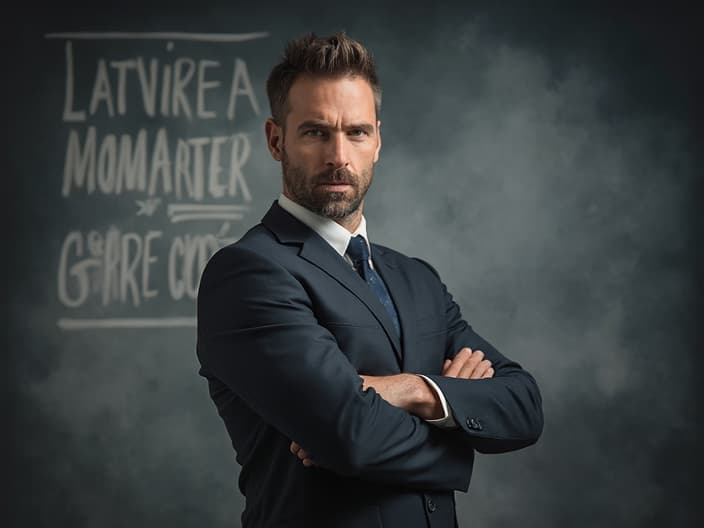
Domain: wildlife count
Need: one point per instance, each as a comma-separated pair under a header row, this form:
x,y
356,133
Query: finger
x,y
458,362
480,369
294,448
469,366
368,383
446,364
304,456
489,373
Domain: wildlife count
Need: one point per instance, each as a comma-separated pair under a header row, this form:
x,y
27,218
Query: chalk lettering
x,y
241,85
118,264
201,166
160,164
168,86
204,85
69,113
154,164
101,90
132,163
79,164
148,86
77,272
184,69
122,67
107,162
187,258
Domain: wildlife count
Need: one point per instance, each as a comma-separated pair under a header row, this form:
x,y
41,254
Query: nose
x,y
337,156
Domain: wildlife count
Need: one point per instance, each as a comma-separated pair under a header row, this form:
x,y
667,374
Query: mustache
x,y
339,176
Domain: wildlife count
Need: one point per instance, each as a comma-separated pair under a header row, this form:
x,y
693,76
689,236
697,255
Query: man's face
x,y
329,144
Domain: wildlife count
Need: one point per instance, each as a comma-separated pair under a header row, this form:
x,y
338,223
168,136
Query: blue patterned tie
x,y
359,253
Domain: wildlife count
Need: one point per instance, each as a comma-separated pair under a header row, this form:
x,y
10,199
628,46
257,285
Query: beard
x,y
305,189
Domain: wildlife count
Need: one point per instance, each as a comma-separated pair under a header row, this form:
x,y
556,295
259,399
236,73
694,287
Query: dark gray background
x,y
546,161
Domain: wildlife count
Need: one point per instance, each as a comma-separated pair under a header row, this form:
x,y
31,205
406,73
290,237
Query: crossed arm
x,y
255,317
413,394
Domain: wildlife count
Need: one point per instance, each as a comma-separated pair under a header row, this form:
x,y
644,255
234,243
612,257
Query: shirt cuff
x,y
447,421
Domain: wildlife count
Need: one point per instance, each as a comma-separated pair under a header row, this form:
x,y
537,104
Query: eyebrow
x,y
311,123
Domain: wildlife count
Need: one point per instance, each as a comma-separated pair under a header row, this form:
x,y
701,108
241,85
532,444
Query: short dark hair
x,y
335,56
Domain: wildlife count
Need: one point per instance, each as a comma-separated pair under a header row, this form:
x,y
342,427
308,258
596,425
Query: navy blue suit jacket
x,y
285,327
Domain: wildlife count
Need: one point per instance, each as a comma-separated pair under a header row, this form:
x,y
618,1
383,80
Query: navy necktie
x,y
359,253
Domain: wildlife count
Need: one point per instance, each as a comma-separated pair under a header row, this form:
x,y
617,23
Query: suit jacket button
x,y
431,505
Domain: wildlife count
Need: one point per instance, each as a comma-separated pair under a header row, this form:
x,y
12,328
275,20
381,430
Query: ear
x,y
274,138
378,139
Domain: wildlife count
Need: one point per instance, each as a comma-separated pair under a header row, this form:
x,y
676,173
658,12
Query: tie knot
x,y
357,250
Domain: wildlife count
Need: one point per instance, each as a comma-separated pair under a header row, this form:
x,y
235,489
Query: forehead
x,y
332,99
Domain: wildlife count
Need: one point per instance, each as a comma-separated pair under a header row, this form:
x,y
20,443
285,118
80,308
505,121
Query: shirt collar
x,y
332,232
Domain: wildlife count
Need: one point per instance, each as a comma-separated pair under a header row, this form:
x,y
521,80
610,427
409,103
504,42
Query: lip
x,y
335,186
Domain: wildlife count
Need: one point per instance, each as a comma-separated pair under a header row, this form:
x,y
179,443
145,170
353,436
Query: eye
x,y
314,132
358,132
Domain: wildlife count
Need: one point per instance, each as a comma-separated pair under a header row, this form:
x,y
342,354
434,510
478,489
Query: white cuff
x,y
447,421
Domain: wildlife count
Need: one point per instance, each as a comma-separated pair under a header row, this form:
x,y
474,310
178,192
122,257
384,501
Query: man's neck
x,y
334,233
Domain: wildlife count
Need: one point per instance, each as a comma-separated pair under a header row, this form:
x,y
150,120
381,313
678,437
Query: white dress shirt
x,y
339,238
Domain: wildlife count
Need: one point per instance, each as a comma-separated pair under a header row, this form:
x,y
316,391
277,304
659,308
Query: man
x,y
353,391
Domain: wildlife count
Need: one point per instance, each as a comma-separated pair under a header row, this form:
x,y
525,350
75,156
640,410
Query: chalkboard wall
x,y
548,163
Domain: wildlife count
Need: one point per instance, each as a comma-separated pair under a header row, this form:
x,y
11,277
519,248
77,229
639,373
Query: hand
x,y
397,389
406,391
468,364
302,454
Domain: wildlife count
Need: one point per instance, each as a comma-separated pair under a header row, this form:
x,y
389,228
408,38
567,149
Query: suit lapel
x,y
328,260
399,289
318,252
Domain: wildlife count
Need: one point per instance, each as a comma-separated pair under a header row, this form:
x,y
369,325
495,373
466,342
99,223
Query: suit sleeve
x,y
499,414
258,334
